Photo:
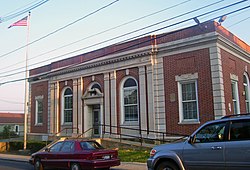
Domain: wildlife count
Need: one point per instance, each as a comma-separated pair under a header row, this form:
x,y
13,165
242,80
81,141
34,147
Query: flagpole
x,y
26,91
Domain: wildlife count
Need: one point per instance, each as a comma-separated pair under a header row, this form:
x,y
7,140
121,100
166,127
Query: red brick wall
x,y
236,66
186,63
39,89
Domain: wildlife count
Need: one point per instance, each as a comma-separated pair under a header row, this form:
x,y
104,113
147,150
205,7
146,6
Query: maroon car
x,y
75,154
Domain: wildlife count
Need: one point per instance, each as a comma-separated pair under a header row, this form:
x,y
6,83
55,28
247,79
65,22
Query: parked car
x,y
75,154
219,144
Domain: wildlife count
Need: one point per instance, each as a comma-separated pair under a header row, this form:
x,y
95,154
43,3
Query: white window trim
x,y
247,93
37,99
235,83
181,119
62,107
123,122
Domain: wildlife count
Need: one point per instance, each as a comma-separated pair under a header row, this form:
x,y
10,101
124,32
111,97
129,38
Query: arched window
x,y
67,103
96,86
129,99
246,90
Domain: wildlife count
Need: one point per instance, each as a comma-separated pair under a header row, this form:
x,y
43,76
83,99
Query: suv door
x,y
237,150
207,149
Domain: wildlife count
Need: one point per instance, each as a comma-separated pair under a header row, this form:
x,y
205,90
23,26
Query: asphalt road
x,y
16,165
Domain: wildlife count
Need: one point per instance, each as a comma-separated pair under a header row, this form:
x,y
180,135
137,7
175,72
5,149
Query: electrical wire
x,y
99,33
16,14
93,45
180,22
57,30
239,22
12,102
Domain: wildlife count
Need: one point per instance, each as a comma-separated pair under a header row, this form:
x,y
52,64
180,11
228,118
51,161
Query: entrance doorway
x,y
96,121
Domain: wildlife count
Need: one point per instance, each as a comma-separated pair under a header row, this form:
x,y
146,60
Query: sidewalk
x,y
123,166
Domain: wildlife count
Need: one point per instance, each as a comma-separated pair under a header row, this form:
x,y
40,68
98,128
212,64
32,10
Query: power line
x,y
57,30
99,33
180,22
12,102
22,11
178,16
239,22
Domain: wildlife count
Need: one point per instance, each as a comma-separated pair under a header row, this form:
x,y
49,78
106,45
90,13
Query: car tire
x,y
38,165
75,166
167,166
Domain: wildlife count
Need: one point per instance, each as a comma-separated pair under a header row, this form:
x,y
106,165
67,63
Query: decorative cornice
x,y
96,63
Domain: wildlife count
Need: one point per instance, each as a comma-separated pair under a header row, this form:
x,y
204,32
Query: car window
x,y
56,147
90,145
211,133
240,130
68,146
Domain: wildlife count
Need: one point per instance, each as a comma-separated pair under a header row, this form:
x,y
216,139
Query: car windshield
x,y
90,145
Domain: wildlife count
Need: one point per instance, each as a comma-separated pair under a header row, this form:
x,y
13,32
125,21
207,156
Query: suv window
x,y
211,133
56,147
240,130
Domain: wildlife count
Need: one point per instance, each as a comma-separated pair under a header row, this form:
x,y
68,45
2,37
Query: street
x,y
16,165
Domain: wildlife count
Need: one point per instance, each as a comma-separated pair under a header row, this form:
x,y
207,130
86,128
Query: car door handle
x,y
216,147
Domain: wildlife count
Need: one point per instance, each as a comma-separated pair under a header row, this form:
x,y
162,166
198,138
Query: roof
x,y
6,118
147,41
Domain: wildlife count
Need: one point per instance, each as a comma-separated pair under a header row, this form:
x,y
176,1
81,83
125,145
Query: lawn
x,y
133,155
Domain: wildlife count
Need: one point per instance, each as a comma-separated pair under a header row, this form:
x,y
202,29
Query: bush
x,y
33,146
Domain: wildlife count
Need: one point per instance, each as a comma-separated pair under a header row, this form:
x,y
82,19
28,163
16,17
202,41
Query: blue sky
x,y
56,14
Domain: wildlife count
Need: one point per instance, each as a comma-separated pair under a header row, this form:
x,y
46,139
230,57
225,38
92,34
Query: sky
x,y
60,29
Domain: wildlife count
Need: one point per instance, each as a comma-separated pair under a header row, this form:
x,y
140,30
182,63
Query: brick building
x,y
14,120
171,83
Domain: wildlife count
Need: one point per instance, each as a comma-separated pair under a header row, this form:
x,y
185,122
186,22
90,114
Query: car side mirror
x,y
47,150
191,139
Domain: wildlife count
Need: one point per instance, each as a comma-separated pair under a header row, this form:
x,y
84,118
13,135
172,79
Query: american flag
x,y
21,22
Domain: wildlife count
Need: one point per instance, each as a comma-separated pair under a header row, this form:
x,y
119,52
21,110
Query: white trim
x,y
247,95
181,119
123,122
236,93
62,107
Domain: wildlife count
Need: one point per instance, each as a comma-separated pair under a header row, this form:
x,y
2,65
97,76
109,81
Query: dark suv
x,y
218,144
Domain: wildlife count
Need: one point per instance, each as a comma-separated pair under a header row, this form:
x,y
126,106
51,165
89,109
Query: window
x,y
188,101
211,133
240,130
56,147
246,90
67,106
68,146
39,111
16,130
129,100
235,97
96,86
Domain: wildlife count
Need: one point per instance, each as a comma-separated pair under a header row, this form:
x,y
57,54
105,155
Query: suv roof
x,y
236,115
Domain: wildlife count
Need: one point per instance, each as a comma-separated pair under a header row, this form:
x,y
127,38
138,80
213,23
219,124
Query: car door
x,y
66,154
50,156
237,150
207,150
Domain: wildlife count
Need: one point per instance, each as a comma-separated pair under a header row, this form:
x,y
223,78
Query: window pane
x,y
211,133
130,83
130,96
240,130
190,110
188,91
131,113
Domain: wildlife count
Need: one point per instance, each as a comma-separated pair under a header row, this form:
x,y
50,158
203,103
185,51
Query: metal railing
x,y
141,135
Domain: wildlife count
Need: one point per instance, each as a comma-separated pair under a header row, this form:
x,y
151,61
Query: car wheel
x,y
167,166
38,165
75,166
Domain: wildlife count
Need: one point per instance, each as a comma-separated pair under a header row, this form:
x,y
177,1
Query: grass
x,y
133,155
